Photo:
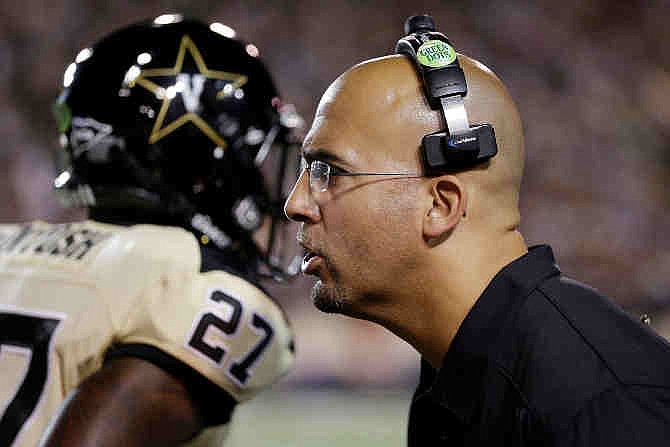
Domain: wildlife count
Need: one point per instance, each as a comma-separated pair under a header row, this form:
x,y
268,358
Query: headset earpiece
x,y
460,146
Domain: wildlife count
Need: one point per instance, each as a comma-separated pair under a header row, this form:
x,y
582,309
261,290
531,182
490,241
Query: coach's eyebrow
x,y
325,155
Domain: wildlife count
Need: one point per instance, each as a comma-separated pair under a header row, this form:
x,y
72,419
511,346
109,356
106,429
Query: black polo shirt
x,y
543,360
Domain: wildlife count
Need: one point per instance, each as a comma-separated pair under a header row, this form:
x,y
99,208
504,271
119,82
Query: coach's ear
x,y
449,204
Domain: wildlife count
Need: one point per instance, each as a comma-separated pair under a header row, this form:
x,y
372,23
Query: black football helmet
x,y
174,121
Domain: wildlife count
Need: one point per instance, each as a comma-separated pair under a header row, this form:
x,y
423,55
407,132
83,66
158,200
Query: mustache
x,y
306,242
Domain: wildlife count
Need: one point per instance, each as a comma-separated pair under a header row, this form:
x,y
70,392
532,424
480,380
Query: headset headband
x,y
460,146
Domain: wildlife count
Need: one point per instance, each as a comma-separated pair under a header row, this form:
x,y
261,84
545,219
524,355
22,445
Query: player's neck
x,y
127,217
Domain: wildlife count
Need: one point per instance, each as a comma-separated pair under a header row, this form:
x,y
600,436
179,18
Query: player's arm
x,y
129,402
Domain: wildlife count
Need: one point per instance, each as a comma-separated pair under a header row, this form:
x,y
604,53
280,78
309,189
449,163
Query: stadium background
x,y
592,81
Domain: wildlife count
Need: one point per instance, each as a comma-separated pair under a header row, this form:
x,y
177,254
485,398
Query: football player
x,y
149,317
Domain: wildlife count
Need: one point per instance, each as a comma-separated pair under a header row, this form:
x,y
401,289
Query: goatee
x,y
327,299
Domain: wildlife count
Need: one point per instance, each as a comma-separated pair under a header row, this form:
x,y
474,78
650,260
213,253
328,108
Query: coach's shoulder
x,y
629,349
569,344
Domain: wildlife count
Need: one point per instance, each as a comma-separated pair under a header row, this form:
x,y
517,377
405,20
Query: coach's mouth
x,y
311,260
310,263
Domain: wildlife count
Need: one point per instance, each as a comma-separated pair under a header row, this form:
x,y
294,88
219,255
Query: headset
x,y
460,146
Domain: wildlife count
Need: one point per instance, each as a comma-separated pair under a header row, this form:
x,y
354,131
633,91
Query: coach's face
x,y
361,234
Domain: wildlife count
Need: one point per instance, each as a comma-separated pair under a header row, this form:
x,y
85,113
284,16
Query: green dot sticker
x,y
436,53
63,115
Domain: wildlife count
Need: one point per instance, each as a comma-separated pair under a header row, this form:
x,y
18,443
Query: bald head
x,y
382,100
408,251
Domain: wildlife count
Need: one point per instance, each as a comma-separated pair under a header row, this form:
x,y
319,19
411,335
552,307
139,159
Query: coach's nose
x,y
300,205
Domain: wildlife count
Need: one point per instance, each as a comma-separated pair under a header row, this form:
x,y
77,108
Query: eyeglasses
x,y
320,173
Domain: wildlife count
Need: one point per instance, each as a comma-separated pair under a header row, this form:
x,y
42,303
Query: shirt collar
x,y
460,380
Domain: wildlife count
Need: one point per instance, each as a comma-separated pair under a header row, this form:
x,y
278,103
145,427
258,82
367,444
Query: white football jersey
x,y
72,294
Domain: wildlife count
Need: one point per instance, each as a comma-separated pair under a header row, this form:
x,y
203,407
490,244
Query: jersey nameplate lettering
x,y
65,240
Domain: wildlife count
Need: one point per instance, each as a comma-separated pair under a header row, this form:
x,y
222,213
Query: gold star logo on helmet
x,y
189,86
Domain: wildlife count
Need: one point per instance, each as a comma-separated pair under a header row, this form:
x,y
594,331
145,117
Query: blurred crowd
x,y
591,78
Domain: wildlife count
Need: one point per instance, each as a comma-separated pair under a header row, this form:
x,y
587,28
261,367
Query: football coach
x,y
409,207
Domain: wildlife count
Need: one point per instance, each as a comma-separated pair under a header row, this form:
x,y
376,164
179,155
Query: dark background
x,y
591,78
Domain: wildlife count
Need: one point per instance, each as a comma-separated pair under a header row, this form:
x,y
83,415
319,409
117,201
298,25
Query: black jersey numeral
x,y
240,369
228,327
34,333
